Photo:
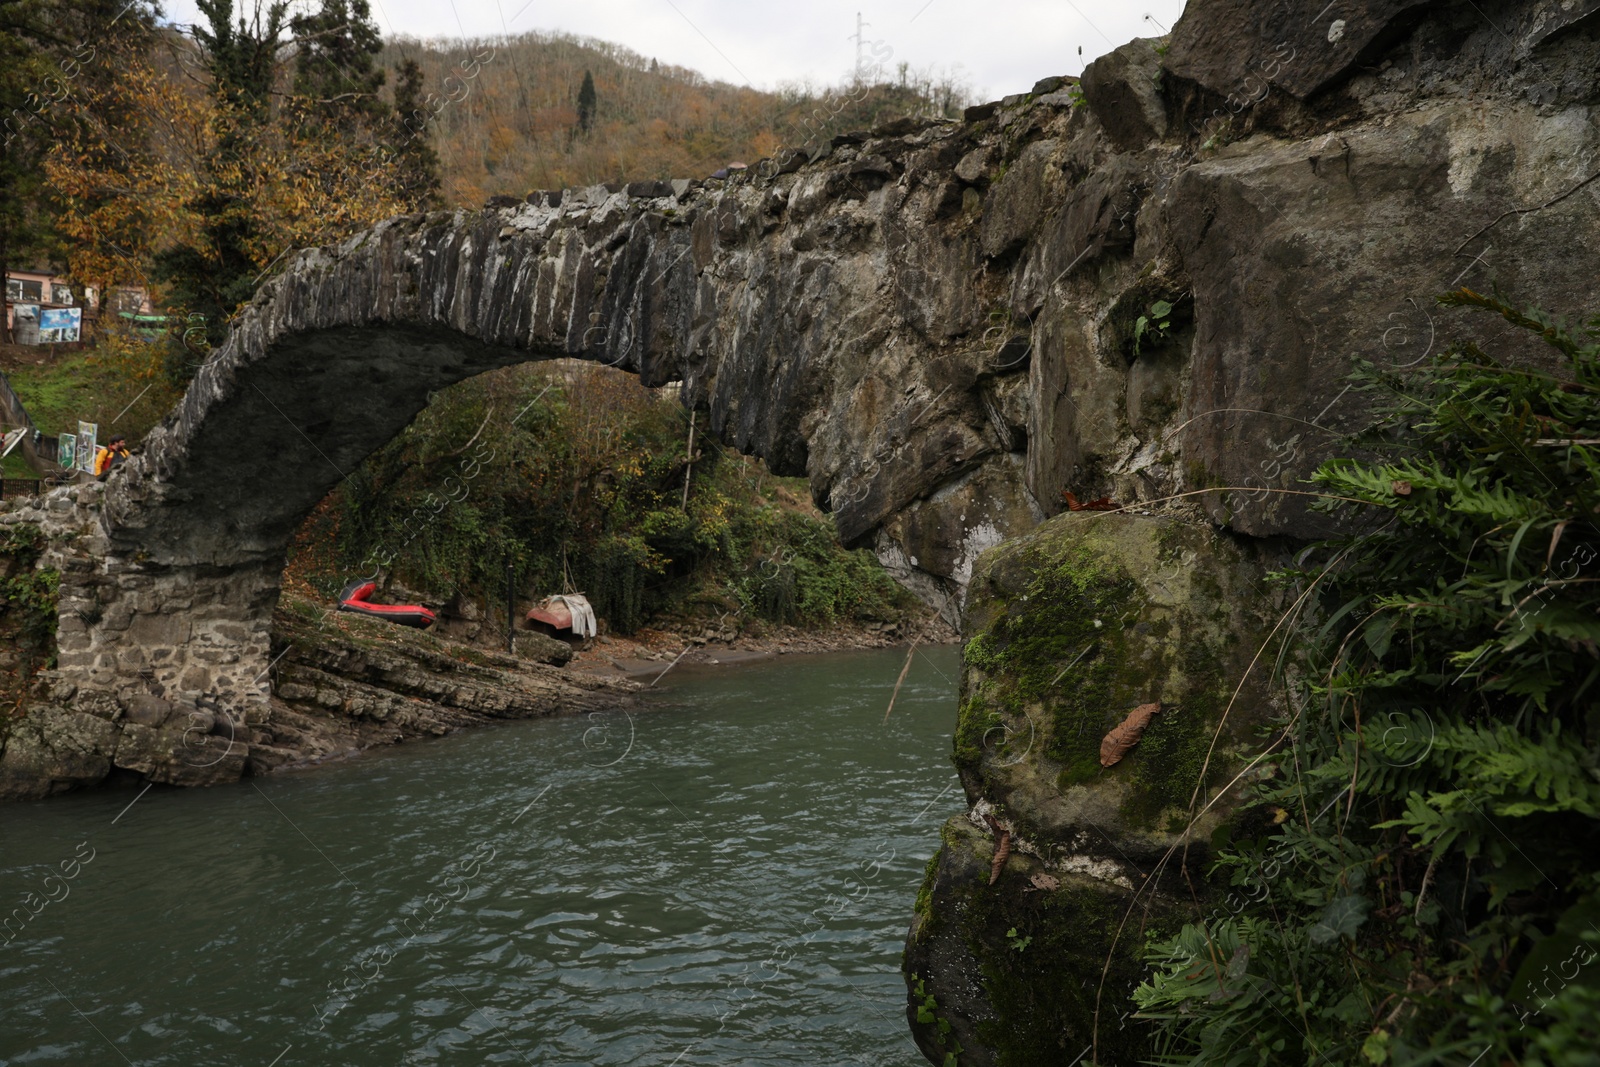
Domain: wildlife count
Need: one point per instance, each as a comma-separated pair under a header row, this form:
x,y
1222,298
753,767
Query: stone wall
x,y
188,676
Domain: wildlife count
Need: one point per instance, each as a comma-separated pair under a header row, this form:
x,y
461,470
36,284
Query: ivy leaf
x,y
1342,918
1378,634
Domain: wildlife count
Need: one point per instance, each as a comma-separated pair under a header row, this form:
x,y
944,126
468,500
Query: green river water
x,y
725,877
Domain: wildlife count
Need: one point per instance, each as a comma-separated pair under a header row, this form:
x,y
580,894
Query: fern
x,y
1442,804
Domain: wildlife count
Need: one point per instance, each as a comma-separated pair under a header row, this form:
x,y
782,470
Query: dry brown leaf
x,y
1123,736
1105,503
1001,852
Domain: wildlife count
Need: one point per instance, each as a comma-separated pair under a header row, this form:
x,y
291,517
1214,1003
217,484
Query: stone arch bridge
x,y
938,324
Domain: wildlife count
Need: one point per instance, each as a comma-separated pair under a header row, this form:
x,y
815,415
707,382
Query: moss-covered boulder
x,y
1068,630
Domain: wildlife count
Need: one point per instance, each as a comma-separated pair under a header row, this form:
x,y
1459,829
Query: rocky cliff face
x,y
1293,186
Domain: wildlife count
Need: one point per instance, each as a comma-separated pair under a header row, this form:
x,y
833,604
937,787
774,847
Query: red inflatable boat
x,y
354,598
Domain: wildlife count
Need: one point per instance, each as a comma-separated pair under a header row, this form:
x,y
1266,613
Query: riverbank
x,y
645,655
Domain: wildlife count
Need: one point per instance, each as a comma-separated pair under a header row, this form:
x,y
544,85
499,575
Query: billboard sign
x,y
60,324
87,432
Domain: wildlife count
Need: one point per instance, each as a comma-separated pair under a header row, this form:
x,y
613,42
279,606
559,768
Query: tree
x,y
334,69
48,52
586,103
122,172
242,60
24,71
214,273
111,193
417,177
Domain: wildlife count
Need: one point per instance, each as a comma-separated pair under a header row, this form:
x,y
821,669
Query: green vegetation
x,y
1071,617
575,475
928,1015
1151,328
116,384
27,614
1427,890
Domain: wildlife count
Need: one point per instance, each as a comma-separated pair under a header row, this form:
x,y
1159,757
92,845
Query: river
x,y
724,877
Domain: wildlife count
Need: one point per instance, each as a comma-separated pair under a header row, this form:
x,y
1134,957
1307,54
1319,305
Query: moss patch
x,y
1172,753
924,907
1060,647
1044,994
1084,620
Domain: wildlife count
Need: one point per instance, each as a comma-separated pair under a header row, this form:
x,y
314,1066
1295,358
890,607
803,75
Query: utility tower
x,y
860,39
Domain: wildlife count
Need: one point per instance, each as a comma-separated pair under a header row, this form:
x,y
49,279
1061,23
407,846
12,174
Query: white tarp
x,y
583,624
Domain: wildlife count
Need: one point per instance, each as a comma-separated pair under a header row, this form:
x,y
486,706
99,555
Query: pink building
x,y
30,294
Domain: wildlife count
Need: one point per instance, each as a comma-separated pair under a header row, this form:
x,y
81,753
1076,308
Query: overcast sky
x,y
1001,48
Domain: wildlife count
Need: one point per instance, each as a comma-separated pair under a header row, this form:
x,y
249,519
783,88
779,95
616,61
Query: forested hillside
x,y
509,116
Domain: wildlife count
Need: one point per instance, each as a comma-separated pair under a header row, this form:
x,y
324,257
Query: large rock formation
x,y
1072,628
1297,187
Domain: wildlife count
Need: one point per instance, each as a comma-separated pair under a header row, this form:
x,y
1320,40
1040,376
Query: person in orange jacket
x,y
111,455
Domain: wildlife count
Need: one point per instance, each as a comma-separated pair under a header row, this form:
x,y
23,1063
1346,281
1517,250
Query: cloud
x,y
1000,48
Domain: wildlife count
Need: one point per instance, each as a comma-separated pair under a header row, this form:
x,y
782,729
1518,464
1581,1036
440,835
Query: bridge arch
x,y
727,290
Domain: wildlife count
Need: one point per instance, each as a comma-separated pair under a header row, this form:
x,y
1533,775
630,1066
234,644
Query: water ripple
x,y
733,890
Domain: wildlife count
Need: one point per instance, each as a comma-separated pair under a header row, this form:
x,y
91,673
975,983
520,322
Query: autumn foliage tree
x,y
290,160
56,58
122,173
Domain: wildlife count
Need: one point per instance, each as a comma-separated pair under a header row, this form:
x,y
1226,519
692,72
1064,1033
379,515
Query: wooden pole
x,y
689,464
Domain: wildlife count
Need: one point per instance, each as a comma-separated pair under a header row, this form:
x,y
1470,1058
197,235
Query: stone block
x,y
1233,46
649,189
159,629
175,755
147,710
972,166
53,750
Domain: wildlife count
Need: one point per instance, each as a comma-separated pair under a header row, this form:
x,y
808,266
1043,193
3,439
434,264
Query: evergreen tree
x,y
586,103
214,275
242,60
334,70
418,163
